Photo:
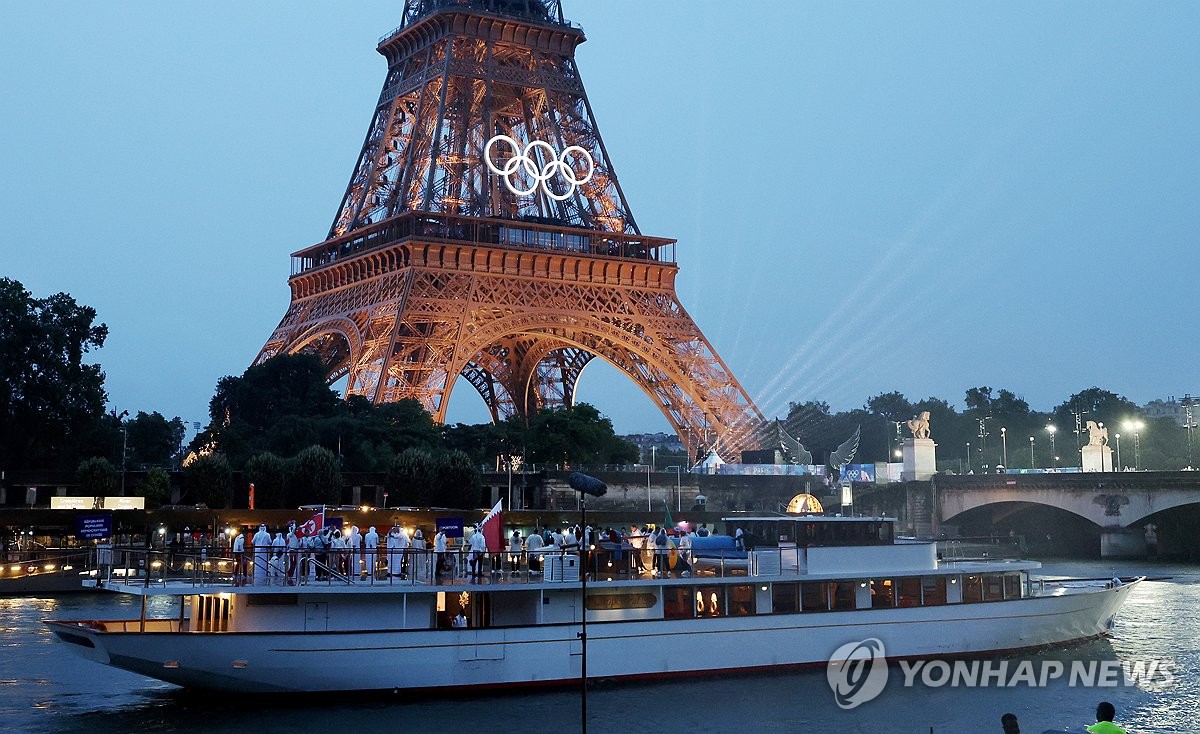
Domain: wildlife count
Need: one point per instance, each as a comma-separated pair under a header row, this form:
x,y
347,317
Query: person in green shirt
x,y
1104,720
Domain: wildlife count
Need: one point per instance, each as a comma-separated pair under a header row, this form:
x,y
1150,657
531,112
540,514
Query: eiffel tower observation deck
x,y
484,235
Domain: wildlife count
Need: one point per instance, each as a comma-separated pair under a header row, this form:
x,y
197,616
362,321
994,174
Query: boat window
x,y
972,589
883,594
814,596
933,590
461,610
785,598
710,601
993,587
741,601
677,602
908,592
1012,586
843,595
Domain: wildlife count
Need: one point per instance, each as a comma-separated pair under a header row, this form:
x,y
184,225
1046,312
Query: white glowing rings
x,y
523,164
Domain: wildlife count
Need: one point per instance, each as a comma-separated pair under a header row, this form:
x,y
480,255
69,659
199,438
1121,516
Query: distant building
x,y
1176,410
666,442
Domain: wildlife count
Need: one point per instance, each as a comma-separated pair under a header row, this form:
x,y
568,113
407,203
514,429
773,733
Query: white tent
x,y
710,463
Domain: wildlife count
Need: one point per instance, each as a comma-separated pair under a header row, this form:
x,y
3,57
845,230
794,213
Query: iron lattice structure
x,y
437,268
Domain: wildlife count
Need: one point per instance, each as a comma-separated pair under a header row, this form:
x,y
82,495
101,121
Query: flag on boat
x,y
493,529
312,526
668,523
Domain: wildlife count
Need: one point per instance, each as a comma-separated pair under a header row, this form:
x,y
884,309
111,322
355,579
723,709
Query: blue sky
x,y
869,196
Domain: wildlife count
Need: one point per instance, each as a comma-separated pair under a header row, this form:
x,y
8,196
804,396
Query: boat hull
x,y
414,660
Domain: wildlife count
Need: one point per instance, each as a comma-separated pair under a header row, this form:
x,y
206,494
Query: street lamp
x,y
1051,428
968,457
678,486
1136,426
124,447
585,485
1032,463
1119,468
1004,445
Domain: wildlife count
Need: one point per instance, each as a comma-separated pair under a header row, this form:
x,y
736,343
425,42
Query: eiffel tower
x,y
484,236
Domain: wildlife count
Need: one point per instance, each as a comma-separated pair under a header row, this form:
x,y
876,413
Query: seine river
x,y
44,688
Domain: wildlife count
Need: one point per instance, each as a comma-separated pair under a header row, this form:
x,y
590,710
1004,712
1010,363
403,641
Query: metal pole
x,y
648,509
1004,445
678,488
1032,464
583,554
1118,467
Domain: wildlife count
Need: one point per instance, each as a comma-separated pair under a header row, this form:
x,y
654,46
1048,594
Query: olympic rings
x,y
523,163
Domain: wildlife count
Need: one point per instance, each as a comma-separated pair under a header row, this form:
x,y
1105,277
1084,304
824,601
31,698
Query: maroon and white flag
x,y
493,530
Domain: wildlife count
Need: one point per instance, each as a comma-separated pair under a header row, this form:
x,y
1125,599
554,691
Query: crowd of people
x,y
289,557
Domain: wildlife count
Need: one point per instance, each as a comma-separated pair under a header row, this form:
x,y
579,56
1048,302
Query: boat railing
x,y
129,565
17,563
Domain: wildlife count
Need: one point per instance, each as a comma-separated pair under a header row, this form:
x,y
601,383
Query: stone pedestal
x,y
920,460
1097,458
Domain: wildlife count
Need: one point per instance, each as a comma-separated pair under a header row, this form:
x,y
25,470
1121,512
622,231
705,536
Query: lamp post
x,y
678,486
1032,464
124,447
968,457
1136,426
1051,428
585,485
1004,445
1118,437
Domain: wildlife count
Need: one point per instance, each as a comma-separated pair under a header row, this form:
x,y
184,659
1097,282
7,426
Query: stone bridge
x,y
1118,503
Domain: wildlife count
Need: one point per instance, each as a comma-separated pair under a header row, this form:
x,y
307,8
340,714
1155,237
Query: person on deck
x,y
533,544
419,555
262,554
239,558
478,546
370,546
439,552
397,544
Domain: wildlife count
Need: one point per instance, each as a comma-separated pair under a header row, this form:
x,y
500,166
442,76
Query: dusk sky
x,y
868,196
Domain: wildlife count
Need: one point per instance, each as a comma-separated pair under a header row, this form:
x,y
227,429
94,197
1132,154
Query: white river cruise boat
x,y
711,608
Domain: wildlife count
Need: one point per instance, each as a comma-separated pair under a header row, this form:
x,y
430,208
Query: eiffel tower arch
x,y
484,236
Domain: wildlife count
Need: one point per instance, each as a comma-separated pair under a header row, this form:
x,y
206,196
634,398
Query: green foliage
x,y
153,440
208,480
574,436
50,401
314,478
410,478
97,477
156,487
284,406
268,473
456,481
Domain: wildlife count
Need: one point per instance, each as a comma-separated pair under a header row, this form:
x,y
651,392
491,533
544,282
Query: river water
x,y
45,688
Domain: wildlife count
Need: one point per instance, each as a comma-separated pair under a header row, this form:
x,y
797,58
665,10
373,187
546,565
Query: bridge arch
x,y
1103,506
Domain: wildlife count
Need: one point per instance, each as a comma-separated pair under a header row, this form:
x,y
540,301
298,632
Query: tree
x,y
156,487
268,473
574,435
208,480
410,478
49,399
315,478
456,481
97,477
891,406
153,440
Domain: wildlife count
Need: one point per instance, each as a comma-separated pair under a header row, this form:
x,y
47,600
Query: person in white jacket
x,y
439,552
262,554
239,558
478,545
370,545
354,543
397,543
533,546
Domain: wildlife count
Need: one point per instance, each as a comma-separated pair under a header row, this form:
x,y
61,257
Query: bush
x,y
410,478
456,481
268,473
156,487
208,480
96,476
314,478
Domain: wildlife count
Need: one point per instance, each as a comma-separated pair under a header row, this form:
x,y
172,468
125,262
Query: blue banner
x,y
859,473
451,526
93,527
